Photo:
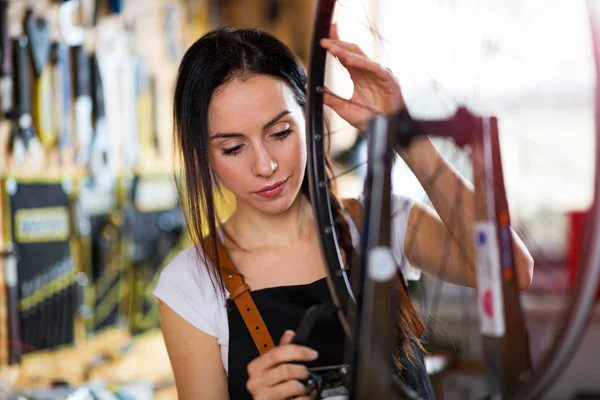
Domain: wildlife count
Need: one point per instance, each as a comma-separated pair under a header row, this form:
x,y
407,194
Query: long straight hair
x,y
215,59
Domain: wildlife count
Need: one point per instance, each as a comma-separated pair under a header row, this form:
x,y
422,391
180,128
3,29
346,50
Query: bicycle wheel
x,y
498,59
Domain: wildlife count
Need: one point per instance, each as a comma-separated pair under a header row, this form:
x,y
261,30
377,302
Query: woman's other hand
x,y
376,89
275,376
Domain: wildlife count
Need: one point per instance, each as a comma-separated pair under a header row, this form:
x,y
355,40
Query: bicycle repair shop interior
x,y
90,213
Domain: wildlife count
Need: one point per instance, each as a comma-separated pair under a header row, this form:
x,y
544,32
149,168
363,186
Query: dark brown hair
x,y
215,59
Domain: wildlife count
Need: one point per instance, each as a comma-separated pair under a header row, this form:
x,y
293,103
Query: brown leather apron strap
x,y
239,292
355,209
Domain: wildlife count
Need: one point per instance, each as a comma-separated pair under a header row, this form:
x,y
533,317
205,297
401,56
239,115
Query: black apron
x,y
282,308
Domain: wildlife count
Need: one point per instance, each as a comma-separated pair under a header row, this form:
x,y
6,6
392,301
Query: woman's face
x,y
257,142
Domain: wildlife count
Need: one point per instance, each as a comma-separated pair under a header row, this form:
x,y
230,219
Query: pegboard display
x,y
119,116
86,98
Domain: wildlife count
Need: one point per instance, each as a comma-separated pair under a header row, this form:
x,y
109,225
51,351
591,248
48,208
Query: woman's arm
x,y
445,246
195,357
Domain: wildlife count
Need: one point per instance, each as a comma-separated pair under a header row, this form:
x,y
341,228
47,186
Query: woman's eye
x,y
282,135
234,151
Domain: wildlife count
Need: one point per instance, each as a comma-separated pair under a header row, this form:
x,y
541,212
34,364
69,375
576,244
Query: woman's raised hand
x,y
376,89
275,374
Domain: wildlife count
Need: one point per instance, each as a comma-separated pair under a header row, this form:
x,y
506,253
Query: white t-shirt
x,y
185,284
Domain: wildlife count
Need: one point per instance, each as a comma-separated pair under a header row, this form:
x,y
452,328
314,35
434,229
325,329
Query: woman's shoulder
x,y
187,264
401,206
187,287
189,270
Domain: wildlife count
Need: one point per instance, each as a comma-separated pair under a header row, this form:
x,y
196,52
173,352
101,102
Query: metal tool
x,y
72,34
131,145
101,158
83,103
39,48
118,83
63,100
6,86
23,135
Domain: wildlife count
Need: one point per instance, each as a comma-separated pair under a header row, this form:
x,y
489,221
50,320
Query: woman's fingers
x,y
352,60
351,55
333,31
289,389
277,376
285,390
350,47
337,104
376,90
287,337
281,355
290,353
284,372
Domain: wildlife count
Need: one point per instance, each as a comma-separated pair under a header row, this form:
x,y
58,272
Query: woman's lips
x,y
272,190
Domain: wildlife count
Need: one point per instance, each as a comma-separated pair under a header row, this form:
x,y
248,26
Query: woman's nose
x,y
264,164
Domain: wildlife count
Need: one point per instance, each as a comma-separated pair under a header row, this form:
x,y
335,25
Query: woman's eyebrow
x,y
225,135
277,118
267,125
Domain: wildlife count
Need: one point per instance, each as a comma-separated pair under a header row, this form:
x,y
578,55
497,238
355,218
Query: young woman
x,y
240,123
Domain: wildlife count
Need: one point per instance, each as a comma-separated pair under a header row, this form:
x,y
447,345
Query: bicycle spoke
x,y
368,24
348,171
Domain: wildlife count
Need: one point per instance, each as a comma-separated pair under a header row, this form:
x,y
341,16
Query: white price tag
x,y
489,282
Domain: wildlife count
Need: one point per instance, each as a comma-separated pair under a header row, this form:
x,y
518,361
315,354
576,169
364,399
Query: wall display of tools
x,y
87,84
89,212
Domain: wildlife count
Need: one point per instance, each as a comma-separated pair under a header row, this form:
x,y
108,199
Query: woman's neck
x,y
251,229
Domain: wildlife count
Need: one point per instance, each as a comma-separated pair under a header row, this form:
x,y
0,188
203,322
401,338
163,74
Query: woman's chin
x,y
275,205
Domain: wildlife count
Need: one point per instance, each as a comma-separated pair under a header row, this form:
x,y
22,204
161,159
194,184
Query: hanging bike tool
x,y
39,49
72,34
63,101
83,103
131,145
6,90
101,160
23,135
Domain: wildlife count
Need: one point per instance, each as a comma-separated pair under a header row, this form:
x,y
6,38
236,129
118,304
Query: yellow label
x,y
50,224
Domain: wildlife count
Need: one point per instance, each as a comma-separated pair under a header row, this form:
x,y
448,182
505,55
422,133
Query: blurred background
x,y
89,212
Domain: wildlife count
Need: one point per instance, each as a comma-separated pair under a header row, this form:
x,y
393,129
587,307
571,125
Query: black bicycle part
x,y
338,281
